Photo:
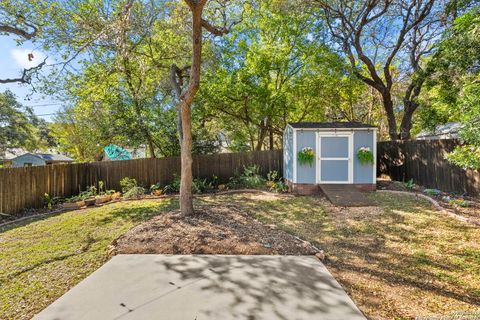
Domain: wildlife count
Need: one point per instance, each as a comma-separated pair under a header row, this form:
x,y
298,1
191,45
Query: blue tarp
x,y
115,152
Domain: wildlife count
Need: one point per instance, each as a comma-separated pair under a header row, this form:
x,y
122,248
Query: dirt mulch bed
x,y
212,230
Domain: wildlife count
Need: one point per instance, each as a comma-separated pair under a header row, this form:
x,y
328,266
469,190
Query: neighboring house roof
x,y
53,157
442,131
114,152
330,125
11,153
48,157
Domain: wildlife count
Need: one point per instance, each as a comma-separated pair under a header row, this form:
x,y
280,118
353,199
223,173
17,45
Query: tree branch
x,y
19,32
26,74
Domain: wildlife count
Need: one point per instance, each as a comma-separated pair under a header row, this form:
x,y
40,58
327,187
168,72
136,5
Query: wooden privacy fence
x,y
23,188
424,162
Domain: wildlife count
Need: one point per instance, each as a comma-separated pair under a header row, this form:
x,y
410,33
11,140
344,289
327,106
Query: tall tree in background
x,y
16,124
454,87
385,39
272,69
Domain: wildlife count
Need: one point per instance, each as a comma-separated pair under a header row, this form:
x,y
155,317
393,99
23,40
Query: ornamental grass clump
x,y
306,156
365,156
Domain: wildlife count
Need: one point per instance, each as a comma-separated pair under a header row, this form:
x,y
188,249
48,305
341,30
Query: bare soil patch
x,y
214,229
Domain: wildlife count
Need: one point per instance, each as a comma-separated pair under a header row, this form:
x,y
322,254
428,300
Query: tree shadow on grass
x,y
395,244
86,245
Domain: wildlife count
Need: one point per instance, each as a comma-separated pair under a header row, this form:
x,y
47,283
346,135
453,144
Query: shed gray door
x,y
334,163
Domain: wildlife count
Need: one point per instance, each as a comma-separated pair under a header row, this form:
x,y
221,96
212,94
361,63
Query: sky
x,y
13,59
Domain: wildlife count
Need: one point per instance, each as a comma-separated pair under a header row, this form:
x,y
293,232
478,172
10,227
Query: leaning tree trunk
x,y
388,106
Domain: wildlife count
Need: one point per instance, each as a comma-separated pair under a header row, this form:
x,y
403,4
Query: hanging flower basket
x,y
365,156
306,156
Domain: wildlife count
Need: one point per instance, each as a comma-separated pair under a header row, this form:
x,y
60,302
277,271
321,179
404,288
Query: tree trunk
x,y
261,138
151,146
388,106
186,198
272,145
406,126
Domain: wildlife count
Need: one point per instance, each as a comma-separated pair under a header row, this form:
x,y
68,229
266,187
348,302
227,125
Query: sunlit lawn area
x,y
397,260
41,260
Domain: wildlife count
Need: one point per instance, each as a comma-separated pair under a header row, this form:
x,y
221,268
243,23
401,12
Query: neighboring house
x,y
39,159
7,156
442,131
335,146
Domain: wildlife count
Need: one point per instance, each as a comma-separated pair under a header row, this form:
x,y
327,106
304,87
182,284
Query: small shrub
x,y
250,178
127,184
459,203
134,192
101,186
92,191
198,185
275,183
50,201
272,175
432,192
279,187
173,187
155,187
409,184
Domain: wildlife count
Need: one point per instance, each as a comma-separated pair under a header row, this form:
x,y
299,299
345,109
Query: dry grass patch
x,y
397,260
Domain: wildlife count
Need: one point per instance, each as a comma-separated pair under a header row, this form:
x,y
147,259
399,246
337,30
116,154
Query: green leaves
x,y
16,124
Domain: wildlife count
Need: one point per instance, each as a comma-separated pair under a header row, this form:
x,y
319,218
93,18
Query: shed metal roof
x,y
330,125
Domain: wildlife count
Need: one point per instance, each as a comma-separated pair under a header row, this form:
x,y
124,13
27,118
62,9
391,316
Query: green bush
x,y
155,187
134,192
250,179
50,201
127,184
201,185
275,183
198,185
409,184
173,187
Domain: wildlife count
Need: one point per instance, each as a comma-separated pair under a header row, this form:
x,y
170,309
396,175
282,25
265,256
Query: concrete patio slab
x,y
206,287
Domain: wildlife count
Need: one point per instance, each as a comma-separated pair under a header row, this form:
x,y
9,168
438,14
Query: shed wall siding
x,y
362,173
27,158
288,154
305,173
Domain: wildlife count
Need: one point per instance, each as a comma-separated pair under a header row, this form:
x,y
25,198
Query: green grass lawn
x,y
396,260
41,260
